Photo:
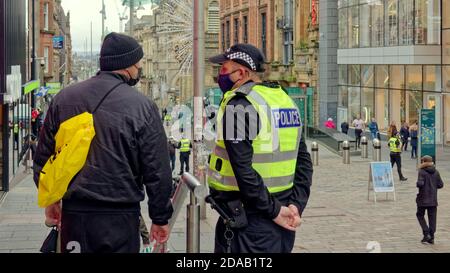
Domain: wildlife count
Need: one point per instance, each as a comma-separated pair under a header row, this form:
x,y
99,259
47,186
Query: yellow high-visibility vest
x,y
275,147
185,145
393,146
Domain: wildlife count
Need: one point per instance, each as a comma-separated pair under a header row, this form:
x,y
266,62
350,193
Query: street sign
x,y
54,87
427,133
58,42
381,179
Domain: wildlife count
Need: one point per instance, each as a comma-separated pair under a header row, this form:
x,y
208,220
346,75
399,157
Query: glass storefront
x,y
379,23
388,92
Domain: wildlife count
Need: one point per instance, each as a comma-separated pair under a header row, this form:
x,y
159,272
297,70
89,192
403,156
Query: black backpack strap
x,y
107,94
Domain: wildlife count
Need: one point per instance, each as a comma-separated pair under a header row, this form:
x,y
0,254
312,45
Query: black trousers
x,y
261,235
432,213
358,133
100,231
404,144
184,160
396,158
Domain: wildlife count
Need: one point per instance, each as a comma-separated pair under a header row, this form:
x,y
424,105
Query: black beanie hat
x,y
119,52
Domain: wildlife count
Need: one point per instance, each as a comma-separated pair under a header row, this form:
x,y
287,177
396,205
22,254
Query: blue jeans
x,y
172,161
374,135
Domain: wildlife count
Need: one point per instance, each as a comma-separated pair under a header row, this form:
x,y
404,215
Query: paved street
x,y
339,218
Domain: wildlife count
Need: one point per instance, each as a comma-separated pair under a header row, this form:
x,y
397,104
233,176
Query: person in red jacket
x,y
330,124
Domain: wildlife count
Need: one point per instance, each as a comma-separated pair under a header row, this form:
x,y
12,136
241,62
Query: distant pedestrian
x,y
396,154
414,132
172,146
330,124
359,125
344,127
428,182
392,131
373,127
185,147
404,133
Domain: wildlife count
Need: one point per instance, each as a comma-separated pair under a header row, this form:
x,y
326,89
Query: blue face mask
x,y
225,83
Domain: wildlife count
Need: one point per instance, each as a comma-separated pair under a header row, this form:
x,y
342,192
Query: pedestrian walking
x,y
344,127
414,133
185,147
262,181
359,125
396,155
428,181
330,124
172,146
392,131
373,127
404,134
101,207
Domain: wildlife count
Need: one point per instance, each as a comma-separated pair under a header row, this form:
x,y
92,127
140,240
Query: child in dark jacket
x,y
428,182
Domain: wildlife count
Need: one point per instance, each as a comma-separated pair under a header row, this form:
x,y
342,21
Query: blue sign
x,y
382,177
286,118
58,42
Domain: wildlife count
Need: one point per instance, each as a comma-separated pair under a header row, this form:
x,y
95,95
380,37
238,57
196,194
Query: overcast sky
x,y
83,12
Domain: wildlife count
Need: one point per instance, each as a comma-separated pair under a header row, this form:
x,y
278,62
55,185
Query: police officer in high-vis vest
x,y
185,147
395,145
260,167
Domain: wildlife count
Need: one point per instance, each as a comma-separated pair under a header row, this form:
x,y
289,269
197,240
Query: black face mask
x,y
133,82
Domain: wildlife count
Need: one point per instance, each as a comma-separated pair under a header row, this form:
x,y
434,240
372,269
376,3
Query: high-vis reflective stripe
x,y
185,145
275,148
393,147
260,158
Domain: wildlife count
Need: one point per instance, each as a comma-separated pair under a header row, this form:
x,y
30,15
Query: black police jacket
x,y
253,193
128,152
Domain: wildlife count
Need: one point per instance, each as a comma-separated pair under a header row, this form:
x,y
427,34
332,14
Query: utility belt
x,y
396,153
233,214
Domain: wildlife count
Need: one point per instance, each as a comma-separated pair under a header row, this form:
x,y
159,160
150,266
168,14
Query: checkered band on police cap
x,y
242,56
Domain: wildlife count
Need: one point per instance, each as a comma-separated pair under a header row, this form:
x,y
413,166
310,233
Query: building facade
x,y
393,57
167,77
286,31
56,58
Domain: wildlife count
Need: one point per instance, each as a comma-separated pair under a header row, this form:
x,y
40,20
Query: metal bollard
x,y
315,153
193,213
376,150
346,152
364,147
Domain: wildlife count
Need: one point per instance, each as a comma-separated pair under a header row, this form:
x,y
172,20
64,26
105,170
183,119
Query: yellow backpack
x,y
73,141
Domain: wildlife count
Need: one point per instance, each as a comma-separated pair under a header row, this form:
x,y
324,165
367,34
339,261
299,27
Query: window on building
x,y
414,77
365,28
446,46
432,78
264,33
446,77
343,29
382,108
46,23
354,102
236,31
353,25
397,106
343,96
427,21
227,35
445,14
367,104
224,46
245,29
288,32
406,22
377,18
343,74
213,17
382,76
367,76
391,23
354,75
397,76
414,103
46,65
